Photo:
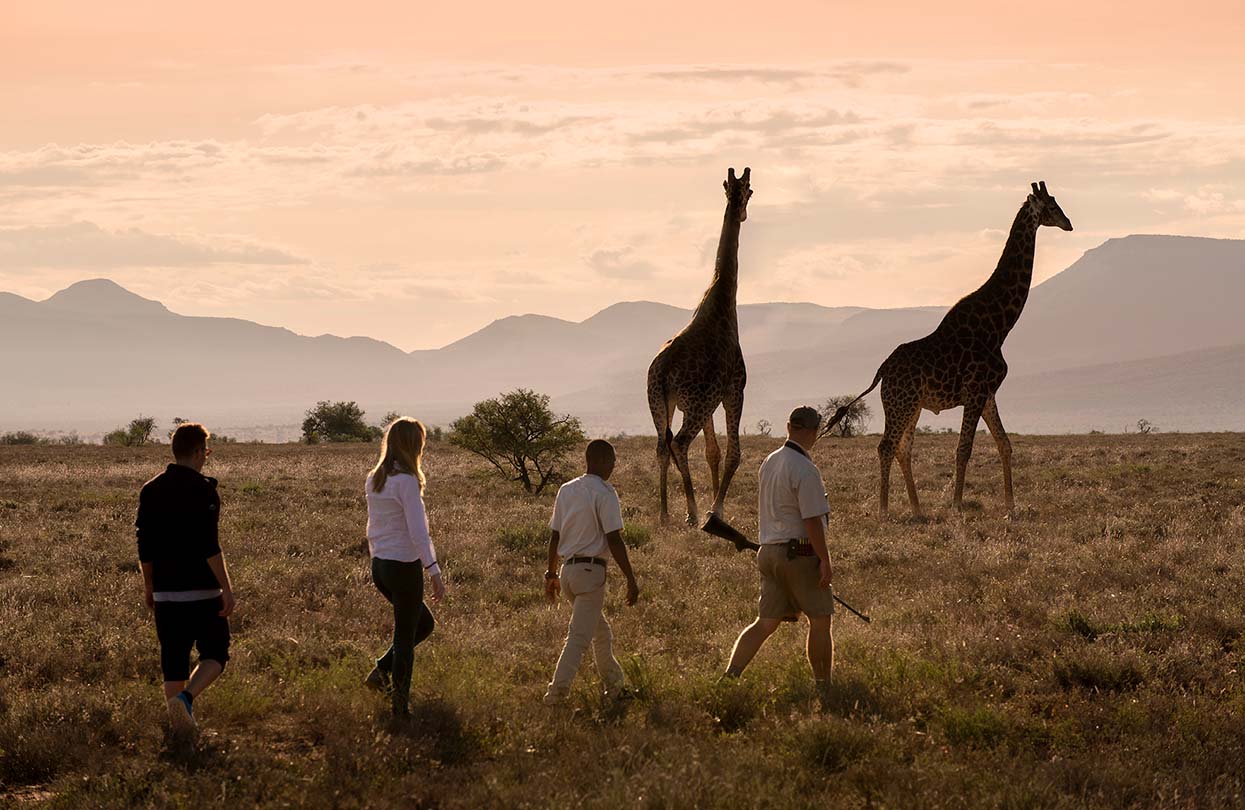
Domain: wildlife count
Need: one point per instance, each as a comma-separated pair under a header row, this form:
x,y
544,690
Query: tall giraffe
x,y
703,366
961,362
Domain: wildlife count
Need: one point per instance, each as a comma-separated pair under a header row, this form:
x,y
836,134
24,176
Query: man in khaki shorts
x,y
794,562
587,521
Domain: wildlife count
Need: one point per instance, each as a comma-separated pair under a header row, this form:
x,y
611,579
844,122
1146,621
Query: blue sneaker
x,y
181,713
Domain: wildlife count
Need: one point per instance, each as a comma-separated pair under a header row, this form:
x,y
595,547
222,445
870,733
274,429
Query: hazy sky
x,y
412,171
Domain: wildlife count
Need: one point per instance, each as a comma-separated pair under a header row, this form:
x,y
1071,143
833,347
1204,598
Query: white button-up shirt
x,y
586,510
791,490
397,524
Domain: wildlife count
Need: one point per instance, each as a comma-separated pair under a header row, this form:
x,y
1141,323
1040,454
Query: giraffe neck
x,y
718,303
1008,286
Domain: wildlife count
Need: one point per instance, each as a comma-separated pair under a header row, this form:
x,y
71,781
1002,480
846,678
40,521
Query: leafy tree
x,y
764,427
135,434
519,436
388,419
1145,426
856,419
140,430
337,422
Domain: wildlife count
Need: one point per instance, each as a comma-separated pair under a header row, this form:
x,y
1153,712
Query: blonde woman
x,y
401,550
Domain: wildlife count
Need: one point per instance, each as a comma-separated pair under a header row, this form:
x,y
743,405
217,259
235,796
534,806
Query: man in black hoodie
x,y
185,581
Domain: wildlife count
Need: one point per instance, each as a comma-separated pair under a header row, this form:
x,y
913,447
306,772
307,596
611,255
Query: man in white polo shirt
x,y
587,520
794,562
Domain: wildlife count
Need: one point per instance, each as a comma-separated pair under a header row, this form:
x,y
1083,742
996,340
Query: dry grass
x,y
1087,654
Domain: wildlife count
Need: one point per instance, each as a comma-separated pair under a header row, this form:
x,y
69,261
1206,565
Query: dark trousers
x,y
402,583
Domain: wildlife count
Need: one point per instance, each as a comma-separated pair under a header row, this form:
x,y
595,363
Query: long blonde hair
x,y
401,451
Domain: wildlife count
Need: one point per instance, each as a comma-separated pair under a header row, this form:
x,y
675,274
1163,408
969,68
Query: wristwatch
x,y
551,575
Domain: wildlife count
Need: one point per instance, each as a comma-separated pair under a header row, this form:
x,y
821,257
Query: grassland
x,y
1088,653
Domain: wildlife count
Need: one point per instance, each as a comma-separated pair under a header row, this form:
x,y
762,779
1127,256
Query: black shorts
x,y
182,625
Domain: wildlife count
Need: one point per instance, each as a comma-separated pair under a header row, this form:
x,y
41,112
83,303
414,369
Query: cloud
x,y
620,263
86,245
1202,201
395,162
85,164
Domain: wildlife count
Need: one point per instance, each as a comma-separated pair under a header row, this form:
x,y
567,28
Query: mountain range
x,y
1141,327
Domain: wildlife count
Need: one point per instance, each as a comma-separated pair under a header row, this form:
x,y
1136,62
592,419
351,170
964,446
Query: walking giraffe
x,y
703,366
961,362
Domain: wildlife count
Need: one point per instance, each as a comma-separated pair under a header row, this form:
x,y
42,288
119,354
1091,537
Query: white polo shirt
x,y
791,490
586,510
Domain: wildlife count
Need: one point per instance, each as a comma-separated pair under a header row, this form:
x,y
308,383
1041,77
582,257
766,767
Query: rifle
x,y
717,527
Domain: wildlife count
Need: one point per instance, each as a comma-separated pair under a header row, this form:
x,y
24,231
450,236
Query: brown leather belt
x,y
585,561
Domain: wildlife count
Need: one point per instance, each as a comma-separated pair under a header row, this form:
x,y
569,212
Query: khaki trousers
x,y
583,585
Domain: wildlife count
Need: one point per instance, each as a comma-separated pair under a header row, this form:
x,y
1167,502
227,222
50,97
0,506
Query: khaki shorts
x,y
789,587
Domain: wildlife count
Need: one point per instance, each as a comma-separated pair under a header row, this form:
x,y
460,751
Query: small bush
x,y
731,703
530,540
1077,623
981,727
834,745
635,536
21,437
1098,672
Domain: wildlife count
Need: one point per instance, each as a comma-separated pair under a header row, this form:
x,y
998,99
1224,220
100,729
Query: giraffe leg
x,y
661,410
886,455
692,423
713,456
991,415
904,453
902,409
663,464
964,451
734,413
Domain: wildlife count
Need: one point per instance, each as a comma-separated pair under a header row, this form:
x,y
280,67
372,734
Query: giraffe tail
x,y
843,410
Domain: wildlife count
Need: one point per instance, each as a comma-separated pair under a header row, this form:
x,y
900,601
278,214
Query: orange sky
x,y
413,170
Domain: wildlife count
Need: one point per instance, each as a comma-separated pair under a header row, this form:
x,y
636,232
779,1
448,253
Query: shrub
x,y
1098,672
21,437
530,540
337,422
834,745
519,436
980,727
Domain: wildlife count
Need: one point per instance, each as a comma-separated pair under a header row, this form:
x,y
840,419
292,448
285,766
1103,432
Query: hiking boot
x,y
552,699
378,679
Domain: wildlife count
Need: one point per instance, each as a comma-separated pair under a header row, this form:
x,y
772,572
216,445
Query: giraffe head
x,y
1046,209
738,191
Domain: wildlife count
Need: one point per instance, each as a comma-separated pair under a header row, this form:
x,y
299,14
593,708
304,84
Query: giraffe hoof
x,y
691,520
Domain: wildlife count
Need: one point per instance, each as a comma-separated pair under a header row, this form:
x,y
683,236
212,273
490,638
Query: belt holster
x,y
791,549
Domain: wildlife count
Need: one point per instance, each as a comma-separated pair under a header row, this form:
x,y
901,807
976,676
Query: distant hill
x,y
1139,327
